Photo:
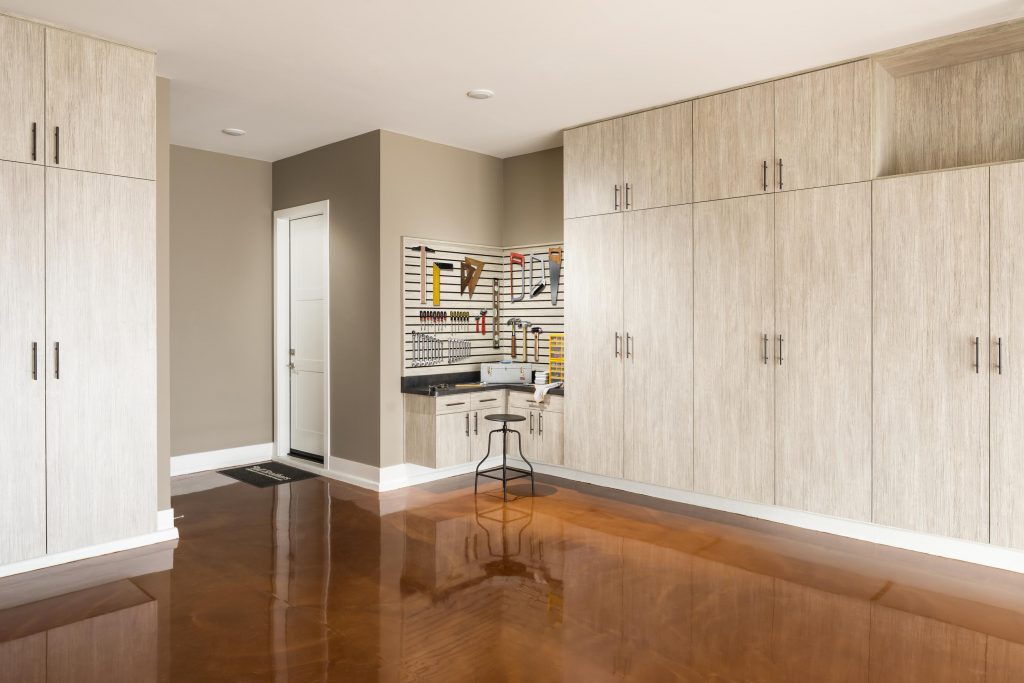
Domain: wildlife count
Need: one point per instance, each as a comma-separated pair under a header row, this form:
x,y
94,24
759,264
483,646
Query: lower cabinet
x,y
542,432
451,441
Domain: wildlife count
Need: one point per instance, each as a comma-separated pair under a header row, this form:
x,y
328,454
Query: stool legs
x,y
519,439
504,431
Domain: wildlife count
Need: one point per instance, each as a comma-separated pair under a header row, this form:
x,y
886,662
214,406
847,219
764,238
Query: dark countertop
x,y
420,385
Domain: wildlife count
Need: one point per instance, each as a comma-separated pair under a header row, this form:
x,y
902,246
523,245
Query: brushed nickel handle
x,y
476,423
780,174
999,349
56,145
764,348
780,349
540,423
616,197
764,176
35,360
618,345
56,360
33,141
628,188
467,424
629,345
531,422
485,400
977,355
459,403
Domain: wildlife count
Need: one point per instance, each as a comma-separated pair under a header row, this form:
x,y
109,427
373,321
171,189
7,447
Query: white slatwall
x,y
538,310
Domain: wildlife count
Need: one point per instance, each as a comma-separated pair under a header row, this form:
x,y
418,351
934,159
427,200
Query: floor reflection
x,y
319,581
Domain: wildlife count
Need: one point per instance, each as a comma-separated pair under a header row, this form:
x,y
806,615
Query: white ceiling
x,y
298,74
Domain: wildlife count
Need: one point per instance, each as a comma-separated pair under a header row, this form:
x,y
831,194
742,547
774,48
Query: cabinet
x,y
931,321
22,356
734,144
21,82
658,323
593,169
593,357
543,431
452,440
733,375
451,430
823,127
100,106
823,377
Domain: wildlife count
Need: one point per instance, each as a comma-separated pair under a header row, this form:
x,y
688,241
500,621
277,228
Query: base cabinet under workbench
x,y
542,432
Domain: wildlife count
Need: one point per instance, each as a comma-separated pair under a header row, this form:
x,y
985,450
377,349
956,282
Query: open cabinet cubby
x,y
951,105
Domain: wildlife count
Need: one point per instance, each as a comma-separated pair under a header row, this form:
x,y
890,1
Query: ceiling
x,y
297,74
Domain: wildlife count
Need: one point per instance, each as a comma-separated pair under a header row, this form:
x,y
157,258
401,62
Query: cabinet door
x,y
101,398
733,310
823,384
527,432
102,97
452,439
931,301
593,169
1007,376
658,157
733,137
593,349
480,430
658,446
822,127
22,376
21,82
551,435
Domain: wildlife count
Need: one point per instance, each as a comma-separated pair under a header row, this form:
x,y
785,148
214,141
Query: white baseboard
x,y
55,559
165,519
215,460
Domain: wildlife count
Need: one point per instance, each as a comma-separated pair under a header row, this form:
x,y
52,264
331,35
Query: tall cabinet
x,y
77,274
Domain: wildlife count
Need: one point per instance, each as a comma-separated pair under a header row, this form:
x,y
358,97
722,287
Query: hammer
x,y
513,322
536,343
524,325
423,250
481,325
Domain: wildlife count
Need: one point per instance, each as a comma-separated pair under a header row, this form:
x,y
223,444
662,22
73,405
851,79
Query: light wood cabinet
x,y
451,430
21,81
452,439
823,127
658,319
1006,371
101,358
551,437
100,106
930,255
734,144
823,379
594,355
658,157
593,169
543,431
22,357
733,349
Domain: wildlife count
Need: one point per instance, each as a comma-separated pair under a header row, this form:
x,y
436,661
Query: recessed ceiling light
x,y
480,94
233,131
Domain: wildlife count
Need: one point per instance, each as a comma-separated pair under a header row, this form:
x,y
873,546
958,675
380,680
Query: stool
x,y
504,419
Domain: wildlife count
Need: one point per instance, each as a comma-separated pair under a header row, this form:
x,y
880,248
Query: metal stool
x,y
504,419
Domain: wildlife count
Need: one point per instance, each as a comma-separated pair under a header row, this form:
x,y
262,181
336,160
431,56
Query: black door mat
x,y
264,474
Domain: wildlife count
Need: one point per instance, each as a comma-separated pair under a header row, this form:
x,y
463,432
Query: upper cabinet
x,y
733,144
658,157
823,127
100,106
593,169
21,82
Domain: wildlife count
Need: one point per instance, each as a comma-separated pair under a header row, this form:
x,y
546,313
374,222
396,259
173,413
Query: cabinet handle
x,y
780,174
629,345
616,197
780,349
485,400
531,422
628,188
467,424
764,348
540,423
33,141
35,360
999,349
460,403
618,345
764,176
56,145
56,360
476,423
977,355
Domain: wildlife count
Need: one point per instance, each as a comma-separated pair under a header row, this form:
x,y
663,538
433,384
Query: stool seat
x,y
505,417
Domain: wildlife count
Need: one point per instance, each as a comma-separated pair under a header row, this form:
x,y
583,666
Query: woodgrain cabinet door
x,y
22,352
733,139
823,127
102,97
1007,346
594,352
22,128
823,383
593,169
930,254
101,385
733,363
658,311
551,437
658,157
453,439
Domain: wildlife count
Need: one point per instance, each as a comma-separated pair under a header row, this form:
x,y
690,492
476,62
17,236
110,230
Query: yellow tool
x,y
438,267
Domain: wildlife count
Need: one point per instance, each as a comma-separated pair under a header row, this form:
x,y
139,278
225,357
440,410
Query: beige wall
x,y
163,294
426,190
532,198
221,305
347,174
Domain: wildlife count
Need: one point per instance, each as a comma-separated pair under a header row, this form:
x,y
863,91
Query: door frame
x,y
282,327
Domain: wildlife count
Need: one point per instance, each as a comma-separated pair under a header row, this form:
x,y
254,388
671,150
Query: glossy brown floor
x,y
320,581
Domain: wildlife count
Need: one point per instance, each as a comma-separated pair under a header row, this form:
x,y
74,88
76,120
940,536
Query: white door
x,y
307,298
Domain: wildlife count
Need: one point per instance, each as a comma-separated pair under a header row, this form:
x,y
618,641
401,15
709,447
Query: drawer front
x,y
518,399
460,403
488,401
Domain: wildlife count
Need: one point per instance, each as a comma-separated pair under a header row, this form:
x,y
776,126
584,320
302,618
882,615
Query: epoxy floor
x,y
321,581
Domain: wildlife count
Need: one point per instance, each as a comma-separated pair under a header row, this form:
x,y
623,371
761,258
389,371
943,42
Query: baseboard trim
x,y
55,559
215,460
402,476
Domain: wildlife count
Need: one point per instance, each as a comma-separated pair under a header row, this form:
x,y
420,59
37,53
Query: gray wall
x,y
532,198
221,333
163,294
347,173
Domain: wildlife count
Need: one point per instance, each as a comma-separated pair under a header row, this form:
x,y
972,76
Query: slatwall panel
x,y
537,310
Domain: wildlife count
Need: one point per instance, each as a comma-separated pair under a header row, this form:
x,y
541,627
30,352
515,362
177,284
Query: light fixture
x,y
234,132
480,94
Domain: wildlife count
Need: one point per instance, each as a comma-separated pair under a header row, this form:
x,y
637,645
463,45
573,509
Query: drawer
x,y
459,403
493,401
524,401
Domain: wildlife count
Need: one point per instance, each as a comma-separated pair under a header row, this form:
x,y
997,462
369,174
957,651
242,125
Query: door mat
x,y
264,474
